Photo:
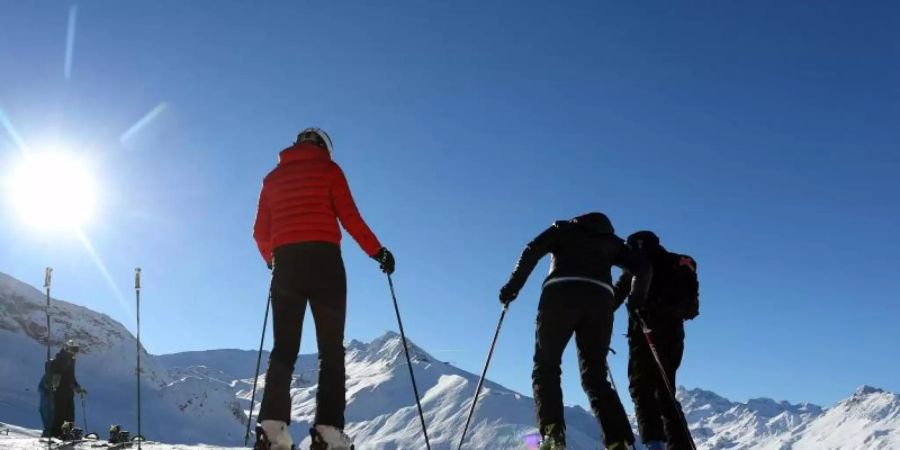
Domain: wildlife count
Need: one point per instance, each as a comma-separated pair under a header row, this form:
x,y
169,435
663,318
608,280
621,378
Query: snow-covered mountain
x,y
722,424
868,420
381,410
204,396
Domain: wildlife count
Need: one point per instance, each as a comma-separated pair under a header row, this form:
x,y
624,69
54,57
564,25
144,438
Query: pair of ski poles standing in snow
x,y
48,279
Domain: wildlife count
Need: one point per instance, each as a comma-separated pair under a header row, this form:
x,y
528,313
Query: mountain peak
x,y
388,347
387,336
866,390
702,396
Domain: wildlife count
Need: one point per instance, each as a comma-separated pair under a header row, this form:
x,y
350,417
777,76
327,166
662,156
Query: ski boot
x,y
117,435
655,445
554,437
273,435
69,432
327,437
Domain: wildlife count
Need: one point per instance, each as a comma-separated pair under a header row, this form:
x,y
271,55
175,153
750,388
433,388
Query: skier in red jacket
x,y
297,232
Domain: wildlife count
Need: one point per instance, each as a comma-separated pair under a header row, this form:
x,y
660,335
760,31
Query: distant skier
x,y
672,299
60,381
297,232
578,299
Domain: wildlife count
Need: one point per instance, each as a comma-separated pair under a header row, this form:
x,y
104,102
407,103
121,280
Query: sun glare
x,y
52,191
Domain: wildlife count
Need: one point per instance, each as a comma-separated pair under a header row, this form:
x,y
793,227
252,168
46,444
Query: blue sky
x,y
761,138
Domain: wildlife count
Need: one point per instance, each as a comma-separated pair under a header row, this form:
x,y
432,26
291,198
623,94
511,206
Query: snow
x,y
18,438
197,400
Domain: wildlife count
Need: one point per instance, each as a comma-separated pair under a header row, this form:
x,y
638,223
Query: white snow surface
x,y
197,400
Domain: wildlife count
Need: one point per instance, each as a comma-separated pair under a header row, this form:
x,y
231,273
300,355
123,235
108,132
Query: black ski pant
x,y
307,273
63,410
585,310
658,417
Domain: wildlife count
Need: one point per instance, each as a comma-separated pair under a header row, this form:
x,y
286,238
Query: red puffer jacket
x,y
302,200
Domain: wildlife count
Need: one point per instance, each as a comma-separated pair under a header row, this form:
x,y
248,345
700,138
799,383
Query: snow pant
x,y
307,273
658,417
63,410
46,406
585,310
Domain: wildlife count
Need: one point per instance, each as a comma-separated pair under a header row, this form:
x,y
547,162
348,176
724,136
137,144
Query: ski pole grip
x,y
48,277
137,278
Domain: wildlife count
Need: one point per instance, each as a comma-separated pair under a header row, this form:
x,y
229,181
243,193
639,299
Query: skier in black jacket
x,y
578,298
64,387
672,299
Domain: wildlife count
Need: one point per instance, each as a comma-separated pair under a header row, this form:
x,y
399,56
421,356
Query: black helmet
x,y
646,241
317,136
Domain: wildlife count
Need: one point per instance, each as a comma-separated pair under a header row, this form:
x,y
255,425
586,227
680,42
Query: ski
x,y
69,444
117,445
109,446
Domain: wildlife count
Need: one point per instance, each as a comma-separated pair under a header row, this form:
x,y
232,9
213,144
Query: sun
x,y
53,190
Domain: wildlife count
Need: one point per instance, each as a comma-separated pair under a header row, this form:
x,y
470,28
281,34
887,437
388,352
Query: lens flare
x,y
53,190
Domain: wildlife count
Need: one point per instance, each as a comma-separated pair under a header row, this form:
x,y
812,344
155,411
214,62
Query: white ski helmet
x,y
317,136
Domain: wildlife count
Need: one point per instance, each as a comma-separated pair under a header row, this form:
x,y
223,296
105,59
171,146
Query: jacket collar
x,y
304,151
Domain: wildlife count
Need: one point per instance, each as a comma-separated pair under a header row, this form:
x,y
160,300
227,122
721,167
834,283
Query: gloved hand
x,y
55,379
636,303
385,260
270,265
80,390
508,294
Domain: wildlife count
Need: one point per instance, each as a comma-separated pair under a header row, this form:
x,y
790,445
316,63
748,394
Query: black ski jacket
x,y
583,247
64,366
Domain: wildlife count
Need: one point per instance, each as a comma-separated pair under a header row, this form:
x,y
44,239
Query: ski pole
x,y
409,362
487,362
262,339
612,382
662,373
84,413
137,295
48,274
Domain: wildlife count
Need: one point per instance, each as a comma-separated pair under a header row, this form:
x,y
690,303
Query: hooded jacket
x,y
302,200
585,247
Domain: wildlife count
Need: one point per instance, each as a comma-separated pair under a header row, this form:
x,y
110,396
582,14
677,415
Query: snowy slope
x,y
13,437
